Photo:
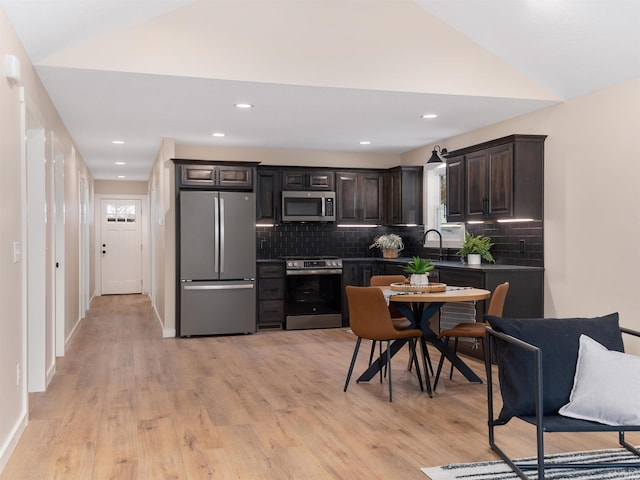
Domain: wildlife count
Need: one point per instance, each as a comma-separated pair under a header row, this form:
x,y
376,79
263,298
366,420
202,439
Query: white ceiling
x,y
322,74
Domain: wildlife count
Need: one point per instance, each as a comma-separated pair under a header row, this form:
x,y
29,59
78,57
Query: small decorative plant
x,y
389,240
419,266
477,244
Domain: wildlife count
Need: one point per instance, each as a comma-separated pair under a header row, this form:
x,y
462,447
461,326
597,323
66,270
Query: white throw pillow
x,y
606,386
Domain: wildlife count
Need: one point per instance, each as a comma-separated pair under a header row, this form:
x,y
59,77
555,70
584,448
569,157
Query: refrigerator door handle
x,y
216,238
219,287
221,235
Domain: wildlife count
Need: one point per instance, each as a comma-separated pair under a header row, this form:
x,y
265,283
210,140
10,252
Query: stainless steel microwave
x,y
308,206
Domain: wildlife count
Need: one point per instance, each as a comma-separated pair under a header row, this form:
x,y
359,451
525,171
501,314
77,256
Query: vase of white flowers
x,y
390,244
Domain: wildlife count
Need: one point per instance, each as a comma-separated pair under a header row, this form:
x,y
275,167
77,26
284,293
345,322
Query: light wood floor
x,y
128,404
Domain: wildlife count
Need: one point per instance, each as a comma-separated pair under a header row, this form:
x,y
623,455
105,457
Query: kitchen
x,y
319,255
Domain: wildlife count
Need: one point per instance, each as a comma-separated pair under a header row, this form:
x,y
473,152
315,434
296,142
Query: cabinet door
x,y
477,176
357,274
404,196
197,175
455,189
360,197
321,181
371,202
293,180
347,197
501,181
307,180
234,176
268,195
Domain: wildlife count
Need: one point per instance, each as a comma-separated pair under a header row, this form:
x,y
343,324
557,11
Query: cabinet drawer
x,y
271,311
271,289
270,271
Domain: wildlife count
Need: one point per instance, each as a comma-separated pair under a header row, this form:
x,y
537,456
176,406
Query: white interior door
x,y
59,283
36,260
121,246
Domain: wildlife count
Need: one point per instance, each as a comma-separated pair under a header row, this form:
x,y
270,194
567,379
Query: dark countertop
x,y
452,265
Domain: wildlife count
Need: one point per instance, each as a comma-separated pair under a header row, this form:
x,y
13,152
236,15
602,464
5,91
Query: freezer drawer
x,y
217,308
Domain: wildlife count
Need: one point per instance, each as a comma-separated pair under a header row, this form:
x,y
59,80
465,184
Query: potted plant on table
x,y
390,244
476,248
418,268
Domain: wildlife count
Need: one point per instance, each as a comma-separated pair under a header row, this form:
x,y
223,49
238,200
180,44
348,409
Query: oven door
x,y
313,299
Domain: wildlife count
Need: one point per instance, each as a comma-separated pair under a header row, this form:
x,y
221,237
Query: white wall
x,y
591,223
13,398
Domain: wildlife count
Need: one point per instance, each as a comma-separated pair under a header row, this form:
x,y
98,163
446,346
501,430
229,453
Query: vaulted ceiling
x,y
320,74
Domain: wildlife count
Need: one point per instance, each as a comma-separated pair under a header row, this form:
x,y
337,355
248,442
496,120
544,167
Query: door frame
x,y
146,251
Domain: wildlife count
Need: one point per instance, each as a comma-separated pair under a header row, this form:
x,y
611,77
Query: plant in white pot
x,y
390,244
476,248
419,268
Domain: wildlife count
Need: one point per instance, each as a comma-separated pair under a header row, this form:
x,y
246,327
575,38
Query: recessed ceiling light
x,y
429,115
218,134
121,176
117,142
120,163
243,105
365,142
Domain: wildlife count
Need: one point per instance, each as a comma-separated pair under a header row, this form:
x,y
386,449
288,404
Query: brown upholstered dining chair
x,y
477,330
399,321
370,319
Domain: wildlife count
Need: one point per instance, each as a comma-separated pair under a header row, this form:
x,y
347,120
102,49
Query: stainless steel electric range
x,y
313,294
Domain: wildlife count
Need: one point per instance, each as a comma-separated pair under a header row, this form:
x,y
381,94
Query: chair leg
x,y
455,352
441,362
373,350
353,362
423,348
380,360
389,367
414,359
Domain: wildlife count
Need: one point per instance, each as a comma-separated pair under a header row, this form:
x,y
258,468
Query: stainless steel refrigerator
x,y
217,263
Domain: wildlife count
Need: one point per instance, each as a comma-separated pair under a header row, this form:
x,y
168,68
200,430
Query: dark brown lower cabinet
x,y
270,295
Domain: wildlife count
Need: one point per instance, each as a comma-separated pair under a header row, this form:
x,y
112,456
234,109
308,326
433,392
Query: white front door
x,y
121,246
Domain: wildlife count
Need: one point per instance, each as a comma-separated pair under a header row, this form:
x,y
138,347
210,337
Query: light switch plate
x,y
17,252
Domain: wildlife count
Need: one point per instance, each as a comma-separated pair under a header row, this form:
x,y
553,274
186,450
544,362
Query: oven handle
x,y
324,271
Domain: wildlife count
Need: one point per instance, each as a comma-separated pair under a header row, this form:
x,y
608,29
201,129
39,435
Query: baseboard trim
x,y
166,332
9,446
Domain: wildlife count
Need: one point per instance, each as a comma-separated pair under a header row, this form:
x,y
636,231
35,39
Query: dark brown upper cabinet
x,y
359,197
268,195
217,175
500,179
455,189
404,196
308,179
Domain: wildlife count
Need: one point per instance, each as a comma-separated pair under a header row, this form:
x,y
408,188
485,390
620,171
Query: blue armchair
x,y
536,361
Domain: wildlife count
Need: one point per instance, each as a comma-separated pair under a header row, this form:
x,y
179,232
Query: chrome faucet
x,y
424,237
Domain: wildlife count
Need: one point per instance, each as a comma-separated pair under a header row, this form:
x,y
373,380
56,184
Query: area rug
x,y
498,470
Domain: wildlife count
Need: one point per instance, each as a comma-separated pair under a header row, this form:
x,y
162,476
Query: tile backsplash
x,y
515,243
313,239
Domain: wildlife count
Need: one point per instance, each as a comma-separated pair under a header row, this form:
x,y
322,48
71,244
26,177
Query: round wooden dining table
x,y
419,307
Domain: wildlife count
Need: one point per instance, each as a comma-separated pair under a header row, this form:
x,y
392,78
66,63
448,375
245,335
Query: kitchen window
x,y
436,208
